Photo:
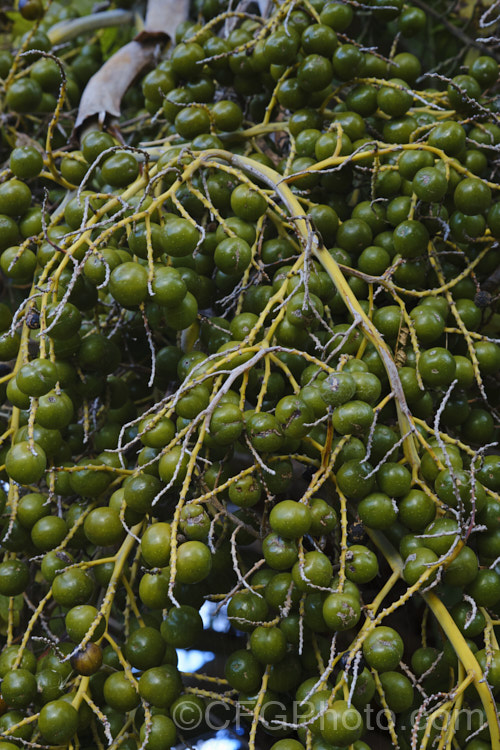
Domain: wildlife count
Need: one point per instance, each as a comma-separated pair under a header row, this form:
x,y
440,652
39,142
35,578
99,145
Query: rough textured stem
x,y
67,30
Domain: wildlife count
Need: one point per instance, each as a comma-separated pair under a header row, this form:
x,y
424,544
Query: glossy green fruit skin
x,y
243,671
182,627
145,648
19,688
341,611
377,511
120,169
315,571
416,510
338,388
268,645
417,564
79,619
361,564
353,417
399,692
161,685
119,692
161,733
14,577
58,722
383,649
485,588
342,724
194,562
440,535
290,519
26,463
72,587
279,553
37,378
355,479
463,569
437,367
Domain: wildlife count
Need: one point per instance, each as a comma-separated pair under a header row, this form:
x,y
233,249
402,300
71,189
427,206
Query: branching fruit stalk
x,y
446,622
275,181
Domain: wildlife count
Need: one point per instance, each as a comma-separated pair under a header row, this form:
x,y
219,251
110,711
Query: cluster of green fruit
x,y
253,360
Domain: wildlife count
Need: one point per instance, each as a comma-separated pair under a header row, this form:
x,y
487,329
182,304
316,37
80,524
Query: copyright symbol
x,y
188,713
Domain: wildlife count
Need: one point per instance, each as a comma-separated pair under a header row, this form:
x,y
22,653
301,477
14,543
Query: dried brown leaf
x,y
103,94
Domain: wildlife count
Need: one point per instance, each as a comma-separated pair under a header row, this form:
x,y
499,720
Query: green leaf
x,y
466,8
108,40
85,7
20,25
471,55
